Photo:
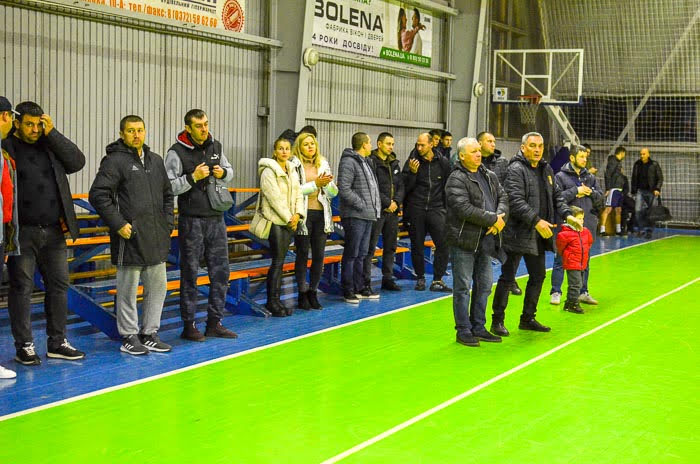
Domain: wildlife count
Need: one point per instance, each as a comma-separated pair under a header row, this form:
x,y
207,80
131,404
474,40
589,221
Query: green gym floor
x,y
618,384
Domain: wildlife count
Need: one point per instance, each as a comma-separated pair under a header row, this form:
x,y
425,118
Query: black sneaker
x,y
219,331
132,345
390,285
499,329
154,343
467,340
313,300
303,301
27,356
515,289
191,332
573,307
65,351
350,297
420,284
532,324
486,336
367,294
439,286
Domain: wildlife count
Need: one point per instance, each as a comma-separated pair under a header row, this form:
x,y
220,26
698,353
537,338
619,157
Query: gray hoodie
x,y
357,187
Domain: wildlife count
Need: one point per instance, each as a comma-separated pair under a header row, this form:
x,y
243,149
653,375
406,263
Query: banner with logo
x,y
386,29
219,14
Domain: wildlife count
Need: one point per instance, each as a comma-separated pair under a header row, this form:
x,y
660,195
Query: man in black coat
x,y
647,180
391,191
477,207
534,201
132,194
43,158
424,175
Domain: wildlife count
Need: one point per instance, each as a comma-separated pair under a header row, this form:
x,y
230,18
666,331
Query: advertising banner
x,y
219,14
386,29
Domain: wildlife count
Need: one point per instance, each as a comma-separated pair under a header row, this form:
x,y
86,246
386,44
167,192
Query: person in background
x,y
592,169
43,159
318,188
282,203
614,190
132,194
647,179
574,245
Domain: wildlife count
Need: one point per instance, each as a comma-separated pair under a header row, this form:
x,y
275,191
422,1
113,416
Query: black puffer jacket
x,y
425,190
497,164
389,180
614,178
522,187
568,181
467,220
126,191
656,177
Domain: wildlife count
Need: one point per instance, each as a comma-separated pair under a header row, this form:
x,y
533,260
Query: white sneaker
x,y
587,299
555,298
7,373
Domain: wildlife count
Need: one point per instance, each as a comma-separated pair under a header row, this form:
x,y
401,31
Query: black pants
x,y
536,268
44,247
433,222
279,239
316,240
388,226
207,235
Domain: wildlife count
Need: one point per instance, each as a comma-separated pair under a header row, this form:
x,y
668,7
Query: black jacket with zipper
x,y
425,190
467,220
389,180
127,191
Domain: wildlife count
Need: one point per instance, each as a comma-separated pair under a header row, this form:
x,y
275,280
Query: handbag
x,y
219,197
658,213
260,225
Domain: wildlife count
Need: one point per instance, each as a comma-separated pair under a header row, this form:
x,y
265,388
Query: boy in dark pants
x,y
574,246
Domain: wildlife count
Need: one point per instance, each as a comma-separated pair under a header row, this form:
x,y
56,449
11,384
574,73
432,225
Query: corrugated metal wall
x,y
87,75
341,89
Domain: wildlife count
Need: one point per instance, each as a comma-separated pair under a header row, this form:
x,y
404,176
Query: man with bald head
x,y
647,180
424,176
477,207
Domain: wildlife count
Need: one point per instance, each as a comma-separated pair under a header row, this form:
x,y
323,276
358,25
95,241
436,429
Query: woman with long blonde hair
x,y
318,188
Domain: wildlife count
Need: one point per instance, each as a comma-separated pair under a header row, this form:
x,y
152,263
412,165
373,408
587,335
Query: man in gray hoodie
x,y
360,207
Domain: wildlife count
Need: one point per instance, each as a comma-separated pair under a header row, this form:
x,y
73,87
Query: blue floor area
x,y
105,366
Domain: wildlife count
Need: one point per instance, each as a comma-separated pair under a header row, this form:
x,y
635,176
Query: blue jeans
x,y
642,202
558,275
468,267
357,235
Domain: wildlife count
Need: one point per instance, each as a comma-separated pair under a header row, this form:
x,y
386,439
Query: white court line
x,y
495,379
242,353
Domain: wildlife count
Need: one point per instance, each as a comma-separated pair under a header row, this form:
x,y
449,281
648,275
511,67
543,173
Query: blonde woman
x,y
283,204
318,188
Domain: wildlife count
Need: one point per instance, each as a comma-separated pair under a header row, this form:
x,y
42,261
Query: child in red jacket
x,y
574,247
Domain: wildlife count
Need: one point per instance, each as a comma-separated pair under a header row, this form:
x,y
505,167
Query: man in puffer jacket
x,y
477,207
574,246
132,195
360,207
534,200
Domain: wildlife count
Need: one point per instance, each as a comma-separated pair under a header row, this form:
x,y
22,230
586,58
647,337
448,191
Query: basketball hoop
x,y
528,105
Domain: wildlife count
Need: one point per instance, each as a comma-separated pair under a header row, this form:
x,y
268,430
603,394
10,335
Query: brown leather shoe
x,y
219,331
190,332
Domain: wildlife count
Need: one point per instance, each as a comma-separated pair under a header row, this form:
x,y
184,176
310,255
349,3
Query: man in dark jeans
x,y
390,182
534,200
647,180
43,158
360,207
424,175
190,161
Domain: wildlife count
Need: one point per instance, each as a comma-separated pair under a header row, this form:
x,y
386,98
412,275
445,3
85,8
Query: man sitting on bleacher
x,y
132,195
195,156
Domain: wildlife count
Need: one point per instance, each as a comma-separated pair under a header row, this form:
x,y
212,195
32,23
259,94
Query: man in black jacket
x,y
132,194
534,200
424,175
614,185
477,207
388,171
647,180
192,162
43,158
